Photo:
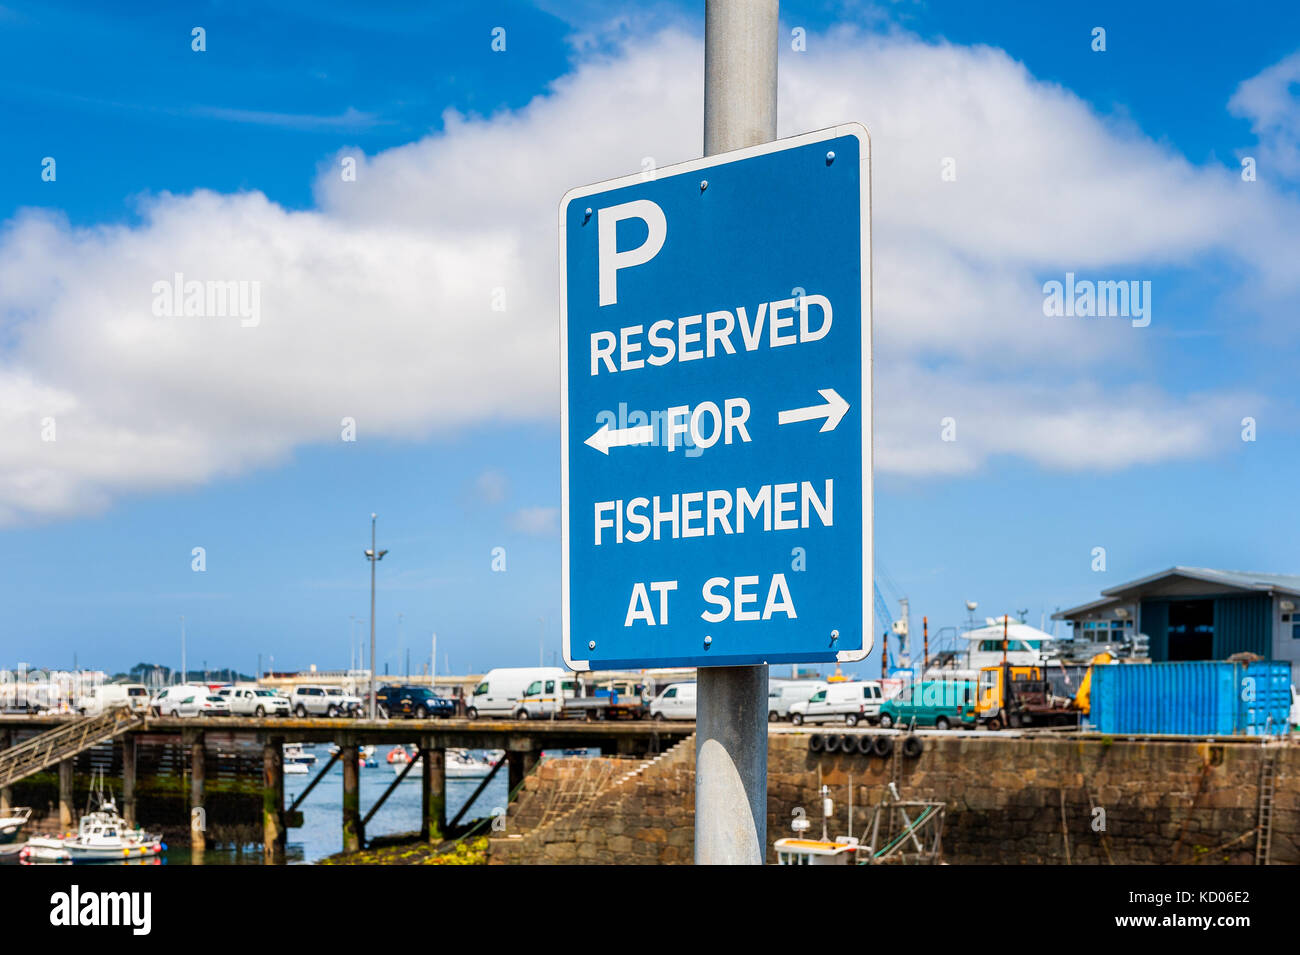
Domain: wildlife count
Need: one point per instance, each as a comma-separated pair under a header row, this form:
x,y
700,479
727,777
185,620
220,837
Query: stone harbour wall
x,y
1022,800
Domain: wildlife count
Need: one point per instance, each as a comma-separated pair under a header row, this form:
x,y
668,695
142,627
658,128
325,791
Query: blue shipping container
x,y
1209,698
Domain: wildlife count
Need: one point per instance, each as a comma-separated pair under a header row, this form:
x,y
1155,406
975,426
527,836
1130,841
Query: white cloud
x,y
537,521
1272,105
491,486
377,305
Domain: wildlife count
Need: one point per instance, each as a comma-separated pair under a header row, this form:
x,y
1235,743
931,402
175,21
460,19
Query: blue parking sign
x,y
715,343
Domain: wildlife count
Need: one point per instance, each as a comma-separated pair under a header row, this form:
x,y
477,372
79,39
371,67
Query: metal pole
x,y
374,559
184,665
925,646
740,43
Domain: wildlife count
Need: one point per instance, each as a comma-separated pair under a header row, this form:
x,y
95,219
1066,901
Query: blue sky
x,y
1072,434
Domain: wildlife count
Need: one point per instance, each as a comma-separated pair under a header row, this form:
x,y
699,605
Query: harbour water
x,y
321,833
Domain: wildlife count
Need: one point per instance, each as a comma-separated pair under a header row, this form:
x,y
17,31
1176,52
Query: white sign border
x,y
692,166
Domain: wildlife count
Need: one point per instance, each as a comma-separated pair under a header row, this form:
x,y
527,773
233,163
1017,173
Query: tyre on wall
x,y
848,744
864,744
832,743
816,743
882,746
913,747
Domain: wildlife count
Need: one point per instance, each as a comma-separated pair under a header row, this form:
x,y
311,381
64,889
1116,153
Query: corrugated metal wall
x,y
1155,624
1210,698
1240,623
1243,623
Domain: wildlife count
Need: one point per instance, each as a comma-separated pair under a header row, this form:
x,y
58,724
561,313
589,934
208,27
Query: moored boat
x,y
102,836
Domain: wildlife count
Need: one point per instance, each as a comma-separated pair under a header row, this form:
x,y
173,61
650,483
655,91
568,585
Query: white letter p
x,y
610,259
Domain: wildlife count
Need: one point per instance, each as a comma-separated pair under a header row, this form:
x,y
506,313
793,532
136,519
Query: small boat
x,y
294,753
399,756
102,836
462,764
296,769
11,823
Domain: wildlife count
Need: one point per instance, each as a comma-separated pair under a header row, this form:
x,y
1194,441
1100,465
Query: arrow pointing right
x,y
833,411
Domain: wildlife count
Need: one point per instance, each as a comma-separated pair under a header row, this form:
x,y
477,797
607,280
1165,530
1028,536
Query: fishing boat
x,y
462,764
12,821
294,753
102,836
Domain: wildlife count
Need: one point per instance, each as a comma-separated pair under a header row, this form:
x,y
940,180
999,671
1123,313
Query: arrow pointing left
x,y
608,437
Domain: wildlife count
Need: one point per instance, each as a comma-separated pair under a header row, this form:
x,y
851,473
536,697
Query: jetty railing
x,y
63,742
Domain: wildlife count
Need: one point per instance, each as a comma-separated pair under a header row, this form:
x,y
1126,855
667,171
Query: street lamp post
x,y
374,556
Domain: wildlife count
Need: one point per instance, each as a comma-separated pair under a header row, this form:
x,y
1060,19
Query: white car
x,y
677,702
313,700
853,703
201,703
255,701
167,701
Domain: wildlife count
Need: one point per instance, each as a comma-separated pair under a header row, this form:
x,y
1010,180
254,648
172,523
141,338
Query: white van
x,y
545,697
851,702
676,702
784,694
97,699
501,689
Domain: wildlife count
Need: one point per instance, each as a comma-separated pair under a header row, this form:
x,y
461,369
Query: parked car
x,y
853,703
255,701
942,704
167,701
417,701
500,690
784,694
676,702
203,702
97,699
318,700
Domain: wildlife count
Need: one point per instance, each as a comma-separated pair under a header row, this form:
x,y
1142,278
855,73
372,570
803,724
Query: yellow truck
x,y
1016,696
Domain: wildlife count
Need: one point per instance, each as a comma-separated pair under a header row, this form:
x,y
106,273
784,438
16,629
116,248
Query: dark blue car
x,y
415,701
